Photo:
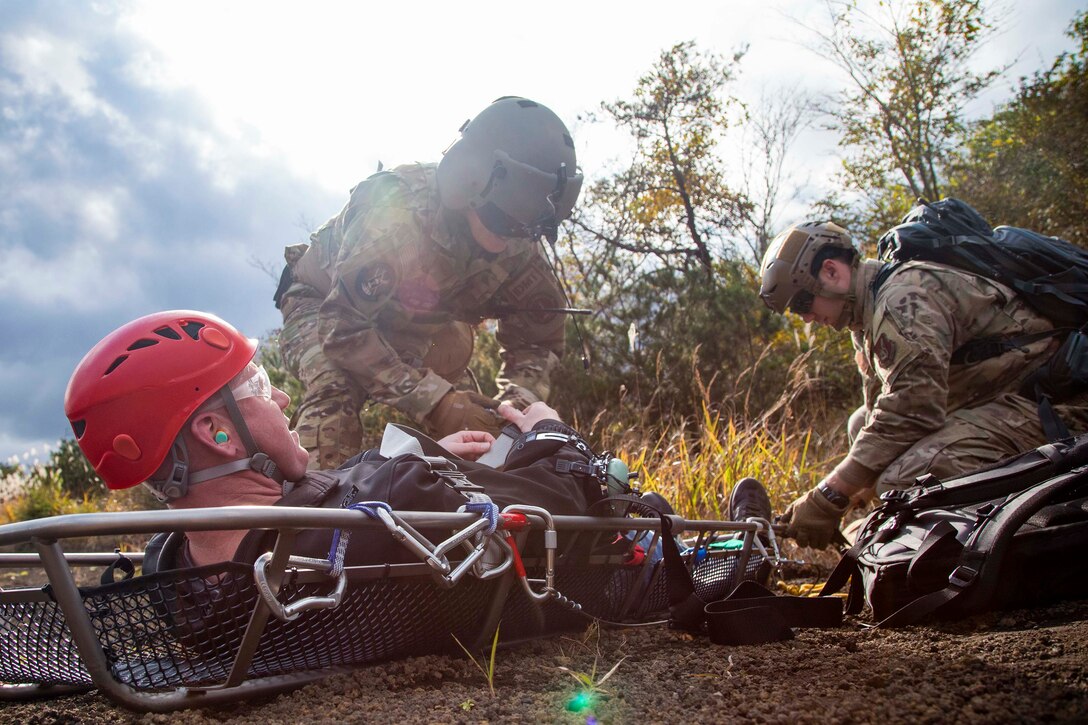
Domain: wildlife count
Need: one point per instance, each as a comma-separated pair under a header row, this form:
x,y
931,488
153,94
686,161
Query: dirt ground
x,y
1020,666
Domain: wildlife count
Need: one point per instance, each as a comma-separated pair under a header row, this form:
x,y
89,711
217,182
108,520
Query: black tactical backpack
x,y
1010,535
1048,273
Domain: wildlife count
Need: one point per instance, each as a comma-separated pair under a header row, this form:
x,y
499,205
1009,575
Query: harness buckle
x,y
457,480
894,495
962,576
262,464
585,469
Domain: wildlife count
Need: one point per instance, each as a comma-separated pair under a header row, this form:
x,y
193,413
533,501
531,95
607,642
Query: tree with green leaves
x,y
901,113
1027,165
663,249
672,202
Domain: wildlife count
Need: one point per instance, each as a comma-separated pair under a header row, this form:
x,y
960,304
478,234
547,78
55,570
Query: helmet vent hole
x,y
115,363
79,427
192,329
168,332
526,103
142,343
568,140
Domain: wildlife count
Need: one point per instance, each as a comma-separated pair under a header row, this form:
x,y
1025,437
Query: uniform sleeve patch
x,y
375,281
884,350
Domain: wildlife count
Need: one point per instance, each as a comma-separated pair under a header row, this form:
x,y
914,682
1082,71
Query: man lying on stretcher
x,y
175,401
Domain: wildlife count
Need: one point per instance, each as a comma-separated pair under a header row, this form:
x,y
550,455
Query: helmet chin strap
x,y
849,298
181,478
851,311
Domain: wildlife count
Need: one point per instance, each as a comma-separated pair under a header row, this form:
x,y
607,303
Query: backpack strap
x,y
882,276
984,348
121,564
847,571
753,614
939,539
685,606
161,552
980,564
750,614
1002,478
1054,428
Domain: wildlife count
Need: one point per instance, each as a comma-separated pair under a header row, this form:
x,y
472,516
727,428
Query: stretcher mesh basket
x,y
37,647
184,628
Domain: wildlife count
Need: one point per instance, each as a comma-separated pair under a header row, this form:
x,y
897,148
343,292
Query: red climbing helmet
x,y
131,394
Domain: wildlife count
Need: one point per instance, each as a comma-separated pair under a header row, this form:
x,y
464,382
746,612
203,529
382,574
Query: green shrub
x,y
74,472
45,494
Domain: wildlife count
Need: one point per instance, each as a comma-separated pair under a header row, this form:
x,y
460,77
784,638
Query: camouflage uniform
x,y
924,414
383,303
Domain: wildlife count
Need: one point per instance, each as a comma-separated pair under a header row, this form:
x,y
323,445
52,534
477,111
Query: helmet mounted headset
x,y
515,165
133,393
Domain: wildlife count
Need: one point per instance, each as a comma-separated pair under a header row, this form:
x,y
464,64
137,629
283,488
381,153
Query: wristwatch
x,y
837,498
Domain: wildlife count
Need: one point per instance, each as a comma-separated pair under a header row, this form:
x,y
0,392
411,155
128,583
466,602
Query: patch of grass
x,y
45,495
590,685
64,484
489,671
696,465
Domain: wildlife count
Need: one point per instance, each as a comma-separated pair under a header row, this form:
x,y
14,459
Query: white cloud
x,y
334,87
150,150
48,65
90,214
81,277
21,141
99,215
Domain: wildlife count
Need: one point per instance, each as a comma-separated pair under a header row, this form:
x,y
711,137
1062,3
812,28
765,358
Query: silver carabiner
x,y
486,568
551,543
476,551
454,576
290,612
416,543
460,537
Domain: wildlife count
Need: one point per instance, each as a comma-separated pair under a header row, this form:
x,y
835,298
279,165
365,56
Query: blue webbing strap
x,y
480,503
340,538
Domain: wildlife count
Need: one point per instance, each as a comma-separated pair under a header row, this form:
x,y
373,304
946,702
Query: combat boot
x,y
749,499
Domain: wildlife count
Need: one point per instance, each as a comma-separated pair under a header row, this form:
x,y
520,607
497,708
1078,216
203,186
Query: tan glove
x,y
521,398
812,520
463,410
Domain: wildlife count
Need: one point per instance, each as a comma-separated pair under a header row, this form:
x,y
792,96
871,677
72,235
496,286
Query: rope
x,y
340,538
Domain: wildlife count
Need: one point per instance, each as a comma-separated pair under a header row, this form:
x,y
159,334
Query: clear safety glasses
x,y
256,385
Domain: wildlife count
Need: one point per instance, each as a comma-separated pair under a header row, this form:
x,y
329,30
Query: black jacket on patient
x,y
407,483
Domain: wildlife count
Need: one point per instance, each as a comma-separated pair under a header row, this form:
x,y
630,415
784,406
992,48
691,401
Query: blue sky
x,y
160,155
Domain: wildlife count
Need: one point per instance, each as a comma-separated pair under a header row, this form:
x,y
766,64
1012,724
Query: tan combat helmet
x,y
786,271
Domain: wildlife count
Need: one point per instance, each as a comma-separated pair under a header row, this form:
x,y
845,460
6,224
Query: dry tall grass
x,y
695,464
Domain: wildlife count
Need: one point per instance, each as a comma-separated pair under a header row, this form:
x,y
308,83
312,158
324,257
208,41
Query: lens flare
x,y
580,702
